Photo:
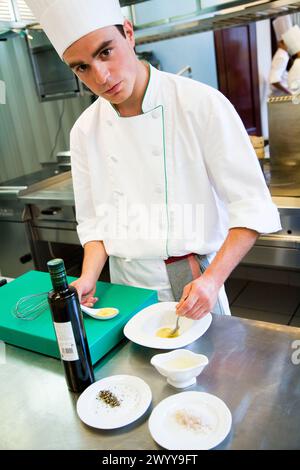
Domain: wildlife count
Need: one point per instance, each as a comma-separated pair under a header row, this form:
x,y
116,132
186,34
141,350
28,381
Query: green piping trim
x,y
166,178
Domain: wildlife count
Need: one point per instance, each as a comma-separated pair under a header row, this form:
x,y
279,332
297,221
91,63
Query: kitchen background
x,y
34,130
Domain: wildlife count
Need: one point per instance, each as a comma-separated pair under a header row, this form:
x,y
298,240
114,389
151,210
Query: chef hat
x,y
66,21
292,39
281,25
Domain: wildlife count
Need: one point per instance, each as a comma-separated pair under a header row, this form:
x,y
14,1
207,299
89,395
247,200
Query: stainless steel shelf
x,y
224,16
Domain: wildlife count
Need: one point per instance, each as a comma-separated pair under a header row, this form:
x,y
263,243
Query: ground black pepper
x,y
109,398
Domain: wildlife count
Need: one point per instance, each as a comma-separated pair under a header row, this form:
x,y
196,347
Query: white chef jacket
x,y
294,77
188,150
278,71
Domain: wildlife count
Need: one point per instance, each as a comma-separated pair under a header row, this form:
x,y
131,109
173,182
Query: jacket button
x,y
156,113
156,152
114,159
118,193
159,190
109,123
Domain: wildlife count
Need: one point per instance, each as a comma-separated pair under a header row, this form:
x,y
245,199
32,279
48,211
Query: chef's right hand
x,y
86,290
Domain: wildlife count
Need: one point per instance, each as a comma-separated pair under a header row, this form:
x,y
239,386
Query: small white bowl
x,y
181,367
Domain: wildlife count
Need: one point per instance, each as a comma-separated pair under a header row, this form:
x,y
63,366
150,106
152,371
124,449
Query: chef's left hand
x,y
198,298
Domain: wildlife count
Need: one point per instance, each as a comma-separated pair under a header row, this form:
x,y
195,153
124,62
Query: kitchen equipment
x,y
51,222
39,335
15,249
53,79
15,253
282,172
212,15
64,159
181,367
284,135
32,306
187,69
174,331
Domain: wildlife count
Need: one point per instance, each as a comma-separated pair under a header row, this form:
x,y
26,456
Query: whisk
x,y
31,306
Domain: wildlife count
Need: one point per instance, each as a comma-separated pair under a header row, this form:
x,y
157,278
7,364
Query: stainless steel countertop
x,y
57,189
250,369
283,180
10,190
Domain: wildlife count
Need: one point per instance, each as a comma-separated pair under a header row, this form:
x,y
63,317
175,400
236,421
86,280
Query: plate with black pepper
x,y
190,421
114,401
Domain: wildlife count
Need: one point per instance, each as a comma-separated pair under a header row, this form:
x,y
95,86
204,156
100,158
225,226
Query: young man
x,y
164,173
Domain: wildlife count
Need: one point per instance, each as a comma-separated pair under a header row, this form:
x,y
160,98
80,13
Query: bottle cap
x,y
56,265
57,270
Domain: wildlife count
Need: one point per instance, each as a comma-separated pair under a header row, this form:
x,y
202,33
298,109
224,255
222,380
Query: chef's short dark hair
x,y
121,29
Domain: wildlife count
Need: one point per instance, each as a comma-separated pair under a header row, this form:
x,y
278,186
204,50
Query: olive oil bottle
x,y
69,329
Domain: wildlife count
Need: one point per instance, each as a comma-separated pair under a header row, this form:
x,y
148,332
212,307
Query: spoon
x,y
174,331
100,313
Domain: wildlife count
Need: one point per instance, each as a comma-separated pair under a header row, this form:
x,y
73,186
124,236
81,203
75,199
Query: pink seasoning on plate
x,y
191,422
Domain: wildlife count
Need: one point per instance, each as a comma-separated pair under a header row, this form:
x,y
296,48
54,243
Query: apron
x,y
183,270
155,274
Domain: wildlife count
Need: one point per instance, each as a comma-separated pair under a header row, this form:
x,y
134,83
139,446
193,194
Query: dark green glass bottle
x,y
69,329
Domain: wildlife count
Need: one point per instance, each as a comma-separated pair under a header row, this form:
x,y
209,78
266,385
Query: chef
x,y
166,181
292,40
278,74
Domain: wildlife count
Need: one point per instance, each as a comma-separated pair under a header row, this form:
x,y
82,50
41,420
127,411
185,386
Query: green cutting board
x,y
38,335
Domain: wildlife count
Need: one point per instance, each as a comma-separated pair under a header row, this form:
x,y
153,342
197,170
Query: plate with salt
x,y
114,401
190,421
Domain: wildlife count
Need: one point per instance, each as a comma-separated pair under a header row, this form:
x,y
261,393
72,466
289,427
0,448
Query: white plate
x,y
142,328
133,393
212,426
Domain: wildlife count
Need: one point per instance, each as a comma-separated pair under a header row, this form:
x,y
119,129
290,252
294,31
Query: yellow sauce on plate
x,y
165,333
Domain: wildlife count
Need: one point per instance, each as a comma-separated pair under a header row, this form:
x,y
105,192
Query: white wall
x,y
160,9
196,50
264,58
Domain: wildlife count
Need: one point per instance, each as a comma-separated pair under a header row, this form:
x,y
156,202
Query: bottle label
x,y
66,341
